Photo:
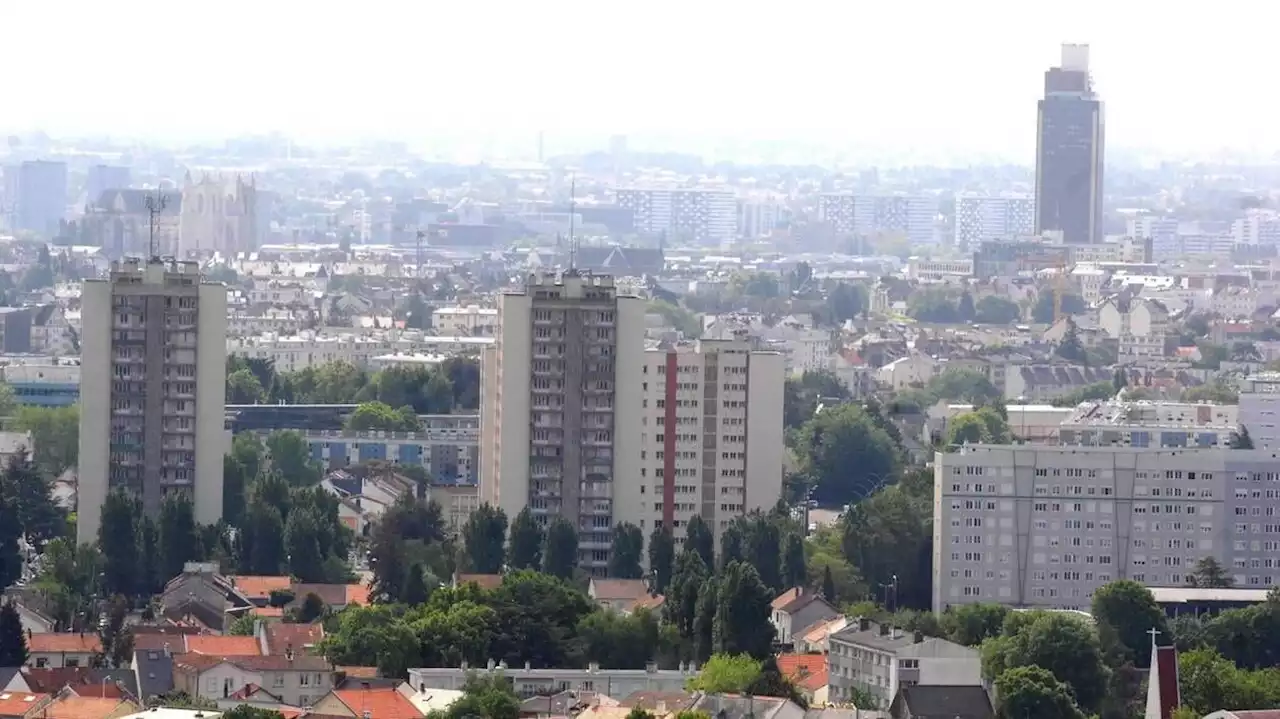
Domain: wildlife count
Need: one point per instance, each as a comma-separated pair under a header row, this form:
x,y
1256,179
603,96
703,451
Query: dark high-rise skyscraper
x,y
1069,151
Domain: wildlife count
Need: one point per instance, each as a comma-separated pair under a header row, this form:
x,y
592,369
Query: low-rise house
x,y
52,650
877,659
281,638
529,681
941,702
798,608
21,705
813,638
371,703
298,680
617,594
73,707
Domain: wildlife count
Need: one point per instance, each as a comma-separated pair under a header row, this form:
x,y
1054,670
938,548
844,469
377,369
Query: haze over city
x,y
935,80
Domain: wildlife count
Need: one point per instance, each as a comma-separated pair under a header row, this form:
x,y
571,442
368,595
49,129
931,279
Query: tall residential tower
x,y
1070,151
152,389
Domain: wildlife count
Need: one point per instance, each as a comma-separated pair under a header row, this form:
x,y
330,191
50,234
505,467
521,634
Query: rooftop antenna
x,y
573,240
155,205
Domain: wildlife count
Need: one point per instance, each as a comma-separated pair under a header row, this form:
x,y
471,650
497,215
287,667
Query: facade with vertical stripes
x,y
580,420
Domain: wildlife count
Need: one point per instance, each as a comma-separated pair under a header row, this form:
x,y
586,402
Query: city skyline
x,y
285,73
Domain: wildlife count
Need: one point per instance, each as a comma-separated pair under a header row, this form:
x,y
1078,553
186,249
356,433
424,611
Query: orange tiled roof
x,y
358,594
813,682
223,645
259,587
195,662
64,642
798,666
19,703
358,672
281,636
787,597
268,612
86,708
484,581
647,602
383,703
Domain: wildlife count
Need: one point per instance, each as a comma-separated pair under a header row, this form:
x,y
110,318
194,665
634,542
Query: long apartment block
x,y
1042,526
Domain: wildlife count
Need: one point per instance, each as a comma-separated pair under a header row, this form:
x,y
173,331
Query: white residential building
x,y
986,219
1046,526
1260,408
1149,424
1140,326
579,420
926,270
152,389
307,349
704,215
913,216
469,321
876,659
530,681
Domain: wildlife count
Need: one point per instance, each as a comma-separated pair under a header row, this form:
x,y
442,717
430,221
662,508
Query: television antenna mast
x,y
573,239
155,205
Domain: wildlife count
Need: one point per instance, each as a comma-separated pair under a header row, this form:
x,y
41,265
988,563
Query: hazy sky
x,y
961,75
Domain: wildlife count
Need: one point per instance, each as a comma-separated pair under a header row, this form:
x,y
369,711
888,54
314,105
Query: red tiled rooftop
x,y
358,594
19,703
813,682
383,703
484,581
223,645
259,587
355,672
281,636
798,666
63,643
86,708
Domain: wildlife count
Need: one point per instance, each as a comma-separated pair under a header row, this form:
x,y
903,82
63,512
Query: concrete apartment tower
x,y
152,393
580,420
552,403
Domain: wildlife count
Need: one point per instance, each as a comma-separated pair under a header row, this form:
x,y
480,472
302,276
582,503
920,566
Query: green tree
x,y
1217,392
464,377
619,641
961,384
312,608
995,310
627,552
704,619
483,536
965,309
699,538
1119,380
1042,311
260,543
1088,393
178,538
794,566
662,554
376,416
10,533
415,589
244,387
244,711
801,397
726,674
742,613
888,537
967,428
560,550
118,541
57,433
13,640
302,545
1241,439
972,624
681,603
1071,348
1209,573
1129,609
829,585
1034,692
524,545
243,626
290,455
490,697
845,455
1062,645
39,519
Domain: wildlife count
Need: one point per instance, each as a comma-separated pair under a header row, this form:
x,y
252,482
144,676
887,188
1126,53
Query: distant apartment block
x,y
447,447
913,216
152,392
925,270
1046,526
1149,424
101,178
759,216
43,385
560,404
703,215
1260,408
981,219
41,196
469,321
529,681
1257,227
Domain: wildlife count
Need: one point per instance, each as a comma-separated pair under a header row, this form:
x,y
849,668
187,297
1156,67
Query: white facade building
x,y
1260,408
152,391
306,349
469,321
579,420
704,215
984,219
1046,526
914,216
